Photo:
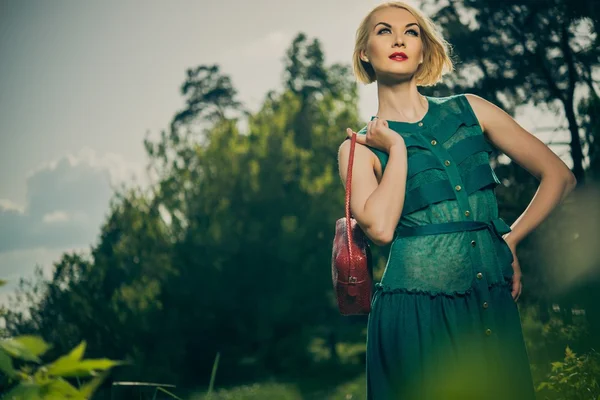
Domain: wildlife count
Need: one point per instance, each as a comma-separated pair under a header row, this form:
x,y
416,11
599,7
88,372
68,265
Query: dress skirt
x,y
424,346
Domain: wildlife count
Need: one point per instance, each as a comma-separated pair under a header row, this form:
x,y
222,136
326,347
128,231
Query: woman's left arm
x,y
556,179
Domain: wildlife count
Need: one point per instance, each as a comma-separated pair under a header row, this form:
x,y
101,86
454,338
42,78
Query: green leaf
x,y
6,364
556,365
18,350
88,389
2,282
35,344
77,353
24,391
70,368
60,389
68,361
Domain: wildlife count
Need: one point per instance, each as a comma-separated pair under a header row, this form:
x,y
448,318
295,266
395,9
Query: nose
x,y
398,41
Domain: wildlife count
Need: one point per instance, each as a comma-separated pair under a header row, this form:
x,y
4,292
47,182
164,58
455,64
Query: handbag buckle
x,y
352,279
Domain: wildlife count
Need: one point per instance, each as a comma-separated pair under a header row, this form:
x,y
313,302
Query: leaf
x,y
556,365
18,350
24,391
77,353
2,282
35,344
83,368
6,364
60,389
68,361
88,389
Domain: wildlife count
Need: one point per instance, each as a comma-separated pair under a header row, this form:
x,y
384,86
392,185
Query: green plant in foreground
x,y
213,375
48,381
575,377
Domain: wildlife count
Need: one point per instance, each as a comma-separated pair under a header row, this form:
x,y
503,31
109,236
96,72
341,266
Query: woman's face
x,y
394,30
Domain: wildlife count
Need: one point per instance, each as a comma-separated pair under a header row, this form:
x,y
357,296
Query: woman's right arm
x,y
376,207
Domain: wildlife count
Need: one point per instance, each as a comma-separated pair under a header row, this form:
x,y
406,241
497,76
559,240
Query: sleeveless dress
x,y
443,323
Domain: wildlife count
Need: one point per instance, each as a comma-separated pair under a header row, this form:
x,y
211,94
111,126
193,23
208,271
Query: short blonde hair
x,y
436,61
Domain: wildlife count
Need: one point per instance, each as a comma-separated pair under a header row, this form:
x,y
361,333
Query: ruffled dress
x,y
443,323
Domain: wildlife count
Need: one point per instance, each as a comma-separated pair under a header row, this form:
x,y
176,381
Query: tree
x,y
524,51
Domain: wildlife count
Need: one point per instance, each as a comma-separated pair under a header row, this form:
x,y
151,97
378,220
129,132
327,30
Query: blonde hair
x,y
436,61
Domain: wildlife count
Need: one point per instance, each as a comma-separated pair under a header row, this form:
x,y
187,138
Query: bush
x,y
574,378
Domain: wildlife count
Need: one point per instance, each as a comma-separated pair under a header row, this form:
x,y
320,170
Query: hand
x,y
517,285
379,135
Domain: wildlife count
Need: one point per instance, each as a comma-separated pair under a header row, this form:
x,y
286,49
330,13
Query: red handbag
x,y
351,262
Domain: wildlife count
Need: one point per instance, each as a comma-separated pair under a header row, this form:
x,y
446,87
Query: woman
x,y
444,322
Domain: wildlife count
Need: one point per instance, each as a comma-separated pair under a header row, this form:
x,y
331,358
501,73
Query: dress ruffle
x,y
384,289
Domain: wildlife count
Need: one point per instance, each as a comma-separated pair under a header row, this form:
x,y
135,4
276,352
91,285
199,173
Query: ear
x,y
363,56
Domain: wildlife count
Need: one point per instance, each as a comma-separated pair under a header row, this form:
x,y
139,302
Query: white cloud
x,y
67,200
57,216
6,204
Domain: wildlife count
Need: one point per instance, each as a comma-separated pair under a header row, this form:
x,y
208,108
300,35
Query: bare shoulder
x,y
362,156
360,151
479,108
522,147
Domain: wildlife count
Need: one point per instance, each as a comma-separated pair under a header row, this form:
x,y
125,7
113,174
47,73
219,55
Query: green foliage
x,y
576,377
47,381
354,389
254,391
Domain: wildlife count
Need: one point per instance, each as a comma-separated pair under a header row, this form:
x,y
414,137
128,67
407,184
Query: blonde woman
x,y
444,322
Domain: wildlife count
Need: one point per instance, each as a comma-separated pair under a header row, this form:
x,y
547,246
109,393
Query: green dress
x,y
443,323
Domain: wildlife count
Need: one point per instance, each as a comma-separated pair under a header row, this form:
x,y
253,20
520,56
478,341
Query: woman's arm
x,y
529,152
376,207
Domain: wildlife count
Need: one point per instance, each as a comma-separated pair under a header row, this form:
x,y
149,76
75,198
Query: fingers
x,y
362,138
517,288
372,124
359,137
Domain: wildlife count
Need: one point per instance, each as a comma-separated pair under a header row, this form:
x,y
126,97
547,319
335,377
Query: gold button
x,y
457,187
473,243
467,213
447,162
434,142
485,304
420,124
488,331
479,275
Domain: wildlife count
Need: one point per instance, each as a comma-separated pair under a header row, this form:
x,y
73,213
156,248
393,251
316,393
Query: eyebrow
x,y
389,26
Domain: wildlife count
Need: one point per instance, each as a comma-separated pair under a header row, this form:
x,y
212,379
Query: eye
x,y
410,30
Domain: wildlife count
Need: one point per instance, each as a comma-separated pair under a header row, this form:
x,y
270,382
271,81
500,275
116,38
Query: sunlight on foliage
x,y
48,381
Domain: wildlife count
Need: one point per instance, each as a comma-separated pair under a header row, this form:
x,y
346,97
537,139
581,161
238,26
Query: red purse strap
x,y
348,190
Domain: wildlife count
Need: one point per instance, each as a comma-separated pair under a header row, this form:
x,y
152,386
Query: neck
x,y
401,102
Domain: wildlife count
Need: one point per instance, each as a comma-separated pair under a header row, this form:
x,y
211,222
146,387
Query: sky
x,y
83,83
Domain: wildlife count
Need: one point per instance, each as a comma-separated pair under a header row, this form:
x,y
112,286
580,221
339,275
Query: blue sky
x,y
81,83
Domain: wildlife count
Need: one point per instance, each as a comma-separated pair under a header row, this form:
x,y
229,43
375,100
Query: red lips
x,y
398,55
